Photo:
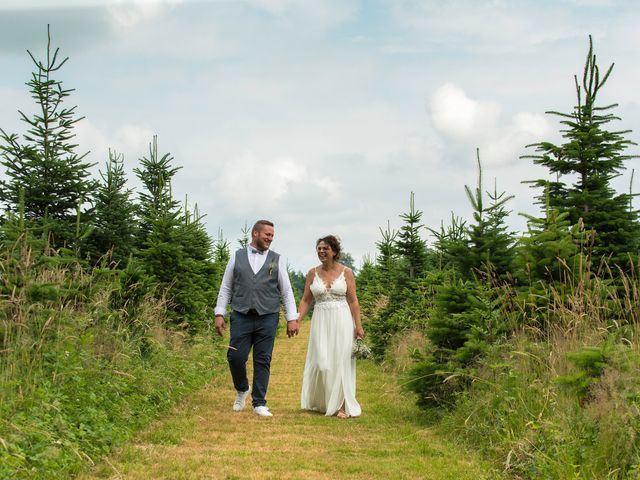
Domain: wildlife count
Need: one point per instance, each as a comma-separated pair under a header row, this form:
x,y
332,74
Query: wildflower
x,y
361,350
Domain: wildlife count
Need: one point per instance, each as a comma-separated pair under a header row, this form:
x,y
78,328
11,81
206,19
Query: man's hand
x,y
220,325
292,328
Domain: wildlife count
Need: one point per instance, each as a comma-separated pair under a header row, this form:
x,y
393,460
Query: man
x,y
255,279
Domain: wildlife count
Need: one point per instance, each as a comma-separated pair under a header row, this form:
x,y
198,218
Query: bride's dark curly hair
x,y
334,243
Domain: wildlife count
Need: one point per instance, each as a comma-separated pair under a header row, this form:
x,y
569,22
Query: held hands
x,y
220,325
293,327
358,332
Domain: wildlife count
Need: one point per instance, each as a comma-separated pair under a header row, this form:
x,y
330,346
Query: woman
x,y
329,381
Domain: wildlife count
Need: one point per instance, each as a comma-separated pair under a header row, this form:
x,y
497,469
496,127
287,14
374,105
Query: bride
x,y
329,381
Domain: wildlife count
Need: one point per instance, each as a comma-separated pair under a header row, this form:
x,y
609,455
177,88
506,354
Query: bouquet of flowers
x,y
361,350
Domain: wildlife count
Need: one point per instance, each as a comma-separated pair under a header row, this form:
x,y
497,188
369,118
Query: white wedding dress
x,y
330,371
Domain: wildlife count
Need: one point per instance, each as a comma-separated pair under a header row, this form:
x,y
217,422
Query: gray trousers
x,y
247,331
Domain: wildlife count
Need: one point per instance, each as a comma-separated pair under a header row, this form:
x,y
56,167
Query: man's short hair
x,y
260,224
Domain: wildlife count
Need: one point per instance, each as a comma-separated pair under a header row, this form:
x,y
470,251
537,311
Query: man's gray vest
x,y
259,291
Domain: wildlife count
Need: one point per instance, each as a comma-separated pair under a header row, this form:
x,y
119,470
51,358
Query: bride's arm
x,y
307,297
352,300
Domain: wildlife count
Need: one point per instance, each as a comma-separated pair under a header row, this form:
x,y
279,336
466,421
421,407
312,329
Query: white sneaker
x,y
263,411
241,398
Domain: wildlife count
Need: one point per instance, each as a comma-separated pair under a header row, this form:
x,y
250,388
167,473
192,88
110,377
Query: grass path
x,y
203,439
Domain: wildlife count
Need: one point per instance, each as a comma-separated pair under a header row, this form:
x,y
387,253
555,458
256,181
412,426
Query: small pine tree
x,y
245,236
347,259
175,249
550,250
593,156
155,174
53,180
221,252
115,222
450,243
489,245
411,248
195,286
484,247
387,258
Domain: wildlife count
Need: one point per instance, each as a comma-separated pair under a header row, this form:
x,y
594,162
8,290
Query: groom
x,y
255,279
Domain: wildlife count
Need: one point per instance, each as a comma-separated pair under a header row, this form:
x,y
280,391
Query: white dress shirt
x,y
256,260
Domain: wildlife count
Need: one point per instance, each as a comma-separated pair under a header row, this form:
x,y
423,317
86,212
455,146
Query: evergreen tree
x,y
593,156
489,244
196,282
551,257
155,174
175,249
484,247
387,257
221,252
409,245
115,222
550,250
347,259
221,255
245,236
298,280
450,243
54,180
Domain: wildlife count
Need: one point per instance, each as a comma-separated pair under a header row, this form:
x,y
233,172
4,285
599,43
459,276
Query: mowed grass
x,y
203,438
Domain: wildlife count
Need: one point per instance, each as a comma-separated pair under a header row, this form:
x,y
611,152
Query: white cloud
x,y
130,140
272,111
50,4
455,114
129,13
254,183
466,123
491,26
594,3
312,13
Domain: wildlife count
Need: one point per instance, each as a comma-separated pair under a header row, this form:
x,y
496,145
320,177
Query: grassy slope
x,y
202,437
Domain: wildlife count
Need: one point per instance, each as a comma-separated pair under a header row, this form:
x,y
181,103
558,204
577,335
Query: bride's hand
x,y
292,328
358,332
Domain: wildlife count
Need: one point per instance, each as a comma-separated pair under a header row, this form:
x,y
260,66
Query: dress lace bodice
x,y
336,292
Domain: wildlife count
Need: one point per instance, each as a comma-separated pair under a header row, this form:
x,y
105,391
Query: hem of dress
x,y
327,414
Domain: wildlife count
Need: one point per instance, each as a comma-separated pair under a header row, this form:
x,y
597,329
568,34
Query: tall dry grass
x,y
81,369
523,408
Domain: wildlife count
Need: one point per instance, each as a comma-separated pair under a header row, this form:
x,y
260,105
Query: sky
x,y
324,115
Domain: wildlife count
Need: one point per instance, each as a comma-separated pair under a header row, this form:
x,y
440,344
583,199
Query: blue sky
x,y
324,115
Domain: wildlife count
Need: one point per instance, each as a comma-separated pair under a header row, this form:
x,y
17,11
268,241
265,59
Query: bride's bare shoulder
x,y
346,269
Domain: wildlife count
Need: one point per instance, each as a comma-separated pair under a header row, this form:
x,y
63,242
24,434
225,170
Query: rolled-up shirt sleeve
x,y
224,295
289,301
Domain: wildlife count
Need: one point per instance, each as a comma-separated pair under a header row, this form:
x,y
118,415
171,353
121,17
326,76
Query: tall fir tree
x,y
410,246
115,223
245,236
450,243
490,246
175,249
43,166
155,174
593,156
196,283
387,258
